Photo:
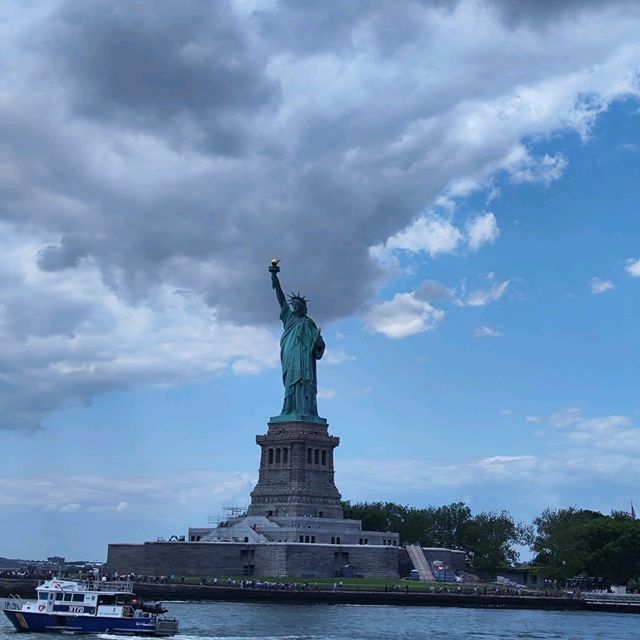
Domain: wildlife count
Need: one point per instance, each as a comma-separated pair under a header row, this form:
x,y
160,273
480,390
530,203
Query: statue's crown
x,y
296,296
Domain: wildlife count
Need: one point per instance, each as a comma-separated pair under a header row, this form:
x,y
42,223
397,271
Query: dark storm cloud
x,y
167,145
543,13
135,69
158,59
185,71
64,255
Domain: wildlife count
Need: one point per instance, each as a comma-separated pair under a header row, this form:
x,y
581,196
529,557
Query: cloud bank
x,y
154,158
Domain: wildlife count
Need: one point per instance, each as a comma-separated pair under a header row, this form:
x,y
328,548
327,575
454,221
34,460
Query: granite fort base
x,y
237,559
294,527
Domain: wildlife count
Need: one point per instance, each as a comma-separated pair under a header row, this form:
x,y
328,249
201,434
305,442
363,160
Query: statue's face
x,y
299,308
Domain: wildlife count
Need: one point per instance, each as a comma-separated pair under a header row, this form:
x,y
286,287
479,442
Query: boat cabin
x,y
90,598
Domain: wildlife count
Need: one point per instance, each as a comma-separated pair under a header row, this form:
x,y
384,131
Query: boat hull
x,y
69,623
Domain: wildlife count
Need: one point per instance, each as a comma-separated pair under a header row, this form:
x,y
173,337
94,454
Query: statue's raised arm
x,y
301,345
275,283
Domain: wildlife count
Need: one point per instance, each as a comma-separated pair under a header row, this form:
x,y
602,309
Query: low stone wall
x,y
236,559
449,557
178,558
328,560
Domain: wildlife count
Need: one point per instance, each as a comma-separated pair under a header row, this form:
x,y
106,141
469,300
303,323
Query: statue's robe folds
x,y
300,346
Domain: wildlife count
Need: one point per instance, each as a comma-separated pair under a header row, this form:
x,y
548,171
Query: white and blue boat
x,y
77,606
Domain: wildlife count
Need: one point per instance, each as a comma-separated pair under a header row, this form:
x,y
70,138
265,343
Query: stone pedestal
x,y
296,471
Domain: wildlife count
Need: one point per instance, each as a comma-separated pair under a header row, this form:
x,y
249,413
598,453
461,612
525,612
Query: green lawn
x,y
364,584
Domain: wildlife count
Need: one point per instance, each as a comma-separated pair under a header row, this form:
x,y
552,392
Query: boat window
x,y
59,596
67,597
78,597
42,596
52,596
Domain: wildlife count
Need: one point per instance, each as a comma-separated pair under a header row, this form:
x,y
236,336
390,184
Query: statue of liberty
x,y
300,346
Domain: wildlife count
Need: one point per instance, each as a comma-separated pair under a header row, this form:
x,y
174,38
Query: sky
x,y
453,185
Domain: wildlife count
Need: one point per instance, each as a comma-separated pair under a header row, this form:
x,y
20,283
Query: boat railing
x,y
14,603
612,598
106,585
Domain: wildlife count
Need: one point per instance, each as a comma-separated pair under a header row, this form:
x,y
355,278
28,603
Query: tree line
x,y
565,542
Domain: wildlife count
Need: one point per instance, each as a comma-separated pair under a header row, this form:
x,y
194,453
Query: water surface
x,y
268,621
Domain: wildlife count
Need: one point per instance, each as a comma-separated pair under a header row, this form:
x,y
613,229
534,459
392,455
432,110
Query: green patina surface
x,y
293,417
301,345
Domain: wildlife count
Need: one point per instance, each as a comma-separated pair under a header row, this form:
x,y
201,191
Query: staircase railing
x,y
420,564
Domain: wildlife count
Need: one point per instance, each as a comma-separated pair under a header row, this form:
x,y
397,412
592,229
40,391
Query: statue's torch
x,y
274,270
273,267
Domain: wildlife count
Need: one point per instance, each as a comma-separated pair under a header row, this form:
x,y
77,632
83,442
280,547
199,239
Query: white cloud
x,y
67,336
609,433
434,234
403,316
431,234
247,367
633,267
600,286
188,490
336,356
486,332
616,433
364,391
325,393
120,506
499,464
577,469
566,417
482,297
482,229
426,474
545,170
68,508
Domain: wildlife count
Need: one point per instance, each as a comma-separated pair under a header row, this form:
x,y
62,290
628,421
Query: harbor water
x,y
252,621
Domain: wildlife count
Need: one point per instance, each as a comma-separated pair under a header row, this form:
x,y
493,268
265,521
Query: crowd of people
x,y
468,589
26,574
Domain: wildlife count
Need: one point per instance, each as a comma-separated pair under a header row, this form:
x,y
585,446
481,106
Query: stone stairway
x,y
419,562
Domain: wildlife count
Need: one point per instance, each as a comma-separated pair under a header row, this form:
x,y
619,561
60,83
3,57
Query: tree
x,y
489,538
377,516
451,526
433,526
492,539
560,543
614,549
